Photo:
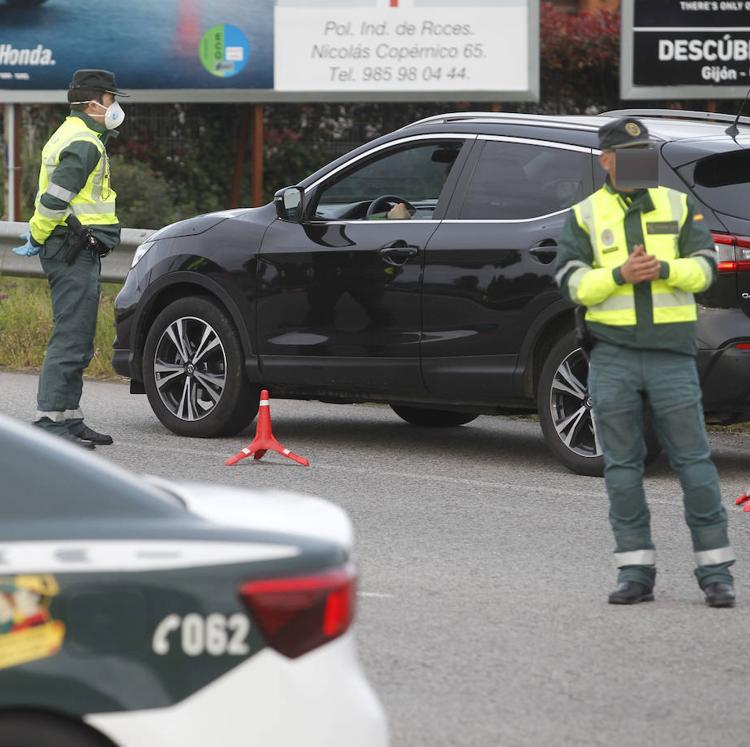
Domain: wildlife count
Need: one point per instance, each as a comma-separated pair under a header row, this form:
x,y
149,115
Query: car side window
x,y
413,175
513,181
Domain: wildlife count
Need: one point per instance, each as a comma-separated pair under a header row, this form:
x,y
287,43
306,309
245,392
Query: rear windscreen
x,y
722,182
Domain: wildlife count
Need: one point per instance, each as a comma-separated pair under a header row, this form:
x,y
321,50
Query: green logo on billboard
x,y
224,50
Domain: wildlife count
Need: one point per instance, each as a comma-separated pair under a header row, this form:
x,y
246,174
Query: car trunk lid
x,y
279,511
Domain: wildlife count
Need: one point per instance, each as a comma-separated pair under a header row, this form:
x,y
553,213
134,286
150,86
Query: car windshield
x,y
722,182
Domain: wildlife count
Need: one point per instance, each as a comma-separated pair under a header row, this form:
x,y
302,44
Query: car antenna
x,y
733,130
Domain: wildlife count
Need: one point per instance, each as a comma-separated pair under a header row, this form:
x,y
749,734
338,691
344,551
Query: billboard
x,y
274,50
685,49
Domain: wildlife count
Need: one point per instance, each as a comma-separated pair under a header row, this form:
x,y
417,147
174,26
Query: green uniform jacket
x,y
77,161
575,245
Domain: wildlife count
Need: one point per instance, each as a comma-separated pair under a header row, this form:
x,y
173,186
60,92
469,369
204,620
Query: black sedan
x,y
417,271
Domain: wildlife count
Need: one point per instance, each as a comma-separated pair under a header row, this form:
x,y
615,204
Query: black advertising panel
x,y
708,13
685,48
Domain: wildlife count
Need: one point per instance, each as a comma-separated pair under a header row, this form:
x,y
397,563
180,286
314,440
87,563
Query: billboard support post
x,y
4,156
17,162
239,162
12,161
256,157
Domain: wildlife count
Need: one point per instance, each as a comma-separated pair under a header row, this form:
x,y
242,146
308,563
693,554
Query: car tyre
x,y
433,418
194,373
565,412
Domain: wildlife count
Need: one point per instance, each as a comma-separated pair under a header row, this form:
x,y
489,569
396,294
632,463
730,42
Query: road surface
x,y
485,568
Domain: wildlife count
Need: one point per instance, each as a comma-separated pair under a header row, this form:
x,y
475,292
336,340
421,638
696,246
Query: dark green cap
x,y
626,132
95,80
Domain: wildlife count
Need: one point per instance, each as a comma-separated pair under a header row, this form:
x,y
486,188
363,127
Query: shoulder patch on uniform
x,y
27,630
698,216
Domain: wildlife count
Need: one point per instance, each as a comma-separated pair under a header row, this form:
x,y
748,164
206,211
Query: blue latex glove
x,y
29,249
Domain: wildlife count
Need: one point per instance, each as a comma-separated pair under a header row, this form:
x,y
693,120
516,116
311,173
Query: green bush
x,y
580,61
144,198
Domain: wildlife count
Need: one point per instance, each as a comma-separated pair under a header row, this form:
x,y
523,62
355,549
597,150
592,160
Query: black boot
x,y
631,592
88,434
77,440
719,595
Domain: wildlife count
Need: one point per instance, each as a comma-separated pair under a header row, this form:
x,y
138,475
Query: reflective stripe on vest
x,y
567,267
62,194
602,217
95,204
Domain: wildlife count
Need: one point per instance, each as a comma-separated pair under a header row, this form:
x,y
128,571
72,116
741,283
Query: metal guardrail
x,y
115,265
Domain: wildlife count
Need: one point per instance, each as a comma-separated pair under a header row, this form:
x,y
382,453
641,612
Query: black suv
x,y
445,314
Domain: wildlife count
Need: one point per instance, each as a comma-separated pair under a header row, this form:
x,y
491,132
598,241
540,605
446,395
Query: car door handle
x,y
398,252
545,251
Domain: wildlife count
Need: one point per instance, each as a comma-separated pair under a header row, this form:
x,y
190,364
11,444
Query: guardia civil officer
x,y
634,259
74,180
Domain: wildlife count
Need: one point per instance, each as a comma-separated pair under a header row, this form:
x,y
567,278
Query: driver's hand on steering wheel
x,y
398,212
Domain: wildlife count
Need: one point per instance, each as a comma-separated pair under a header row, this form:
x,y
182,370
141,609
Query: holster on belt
x,y
81,237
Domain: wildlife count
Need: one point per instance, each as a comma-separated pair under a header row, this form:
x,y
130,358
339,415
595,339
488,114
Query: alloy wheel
x,y
570,406
190,368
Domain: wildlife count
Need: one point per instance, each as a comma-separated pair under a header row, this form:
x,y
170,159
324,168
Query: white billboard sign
x,y
428,49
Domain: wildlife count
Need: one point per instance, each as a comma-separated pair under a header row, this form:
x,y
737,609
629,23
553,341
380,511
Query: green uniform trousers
x,y
621,380
75,291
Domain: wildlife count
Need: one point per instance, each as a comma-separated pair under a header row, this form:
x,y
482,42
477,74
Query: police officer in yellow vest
x,y
74,180
634,259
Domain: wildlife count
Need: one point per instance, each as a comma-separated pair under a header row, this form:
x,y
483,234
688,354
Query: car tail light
x,y
734,252
301,613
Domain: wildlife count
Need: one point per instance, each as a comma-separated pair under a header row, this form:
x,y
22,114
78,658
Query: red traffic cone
x,y
744,498
264,439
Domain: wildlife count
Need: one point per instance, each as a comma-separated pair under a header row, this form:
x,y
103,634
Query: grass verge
x,y
26,324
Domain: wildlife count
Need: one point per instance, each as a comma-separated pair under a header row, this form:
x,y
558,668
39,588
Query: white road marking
x,y
545,494
422,477
374,595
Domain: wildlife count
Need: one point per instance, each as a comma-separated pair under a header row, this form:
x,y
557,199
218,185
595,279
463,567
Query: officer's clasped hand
x,y
28,249
640,267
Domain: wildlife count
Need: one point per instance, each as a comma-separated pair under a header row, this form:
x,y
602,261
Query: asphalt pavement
x,y
485,568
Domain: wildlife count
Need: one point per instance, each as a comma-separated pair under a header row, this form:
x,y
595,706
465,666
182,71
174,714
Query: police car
x,y
135,612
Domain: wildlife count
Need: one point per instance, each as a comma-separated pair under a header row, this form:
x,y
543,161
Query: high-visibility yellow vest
x,y
94,205
602,217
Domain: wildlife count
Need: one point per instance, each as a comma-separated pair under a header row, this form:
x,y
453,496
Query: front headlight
x,y
140,252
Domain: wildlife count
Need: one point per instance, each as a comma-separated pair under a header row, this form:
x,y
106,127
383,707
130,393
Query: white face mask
x,y
114,116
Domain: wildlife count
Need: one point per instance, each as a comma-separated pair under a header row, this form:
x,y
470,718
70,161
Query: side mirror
x,y
290,204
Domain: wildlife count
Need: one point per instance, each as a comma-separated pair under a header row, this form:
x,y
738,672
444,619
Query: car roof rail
x,y
533,119
677,114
